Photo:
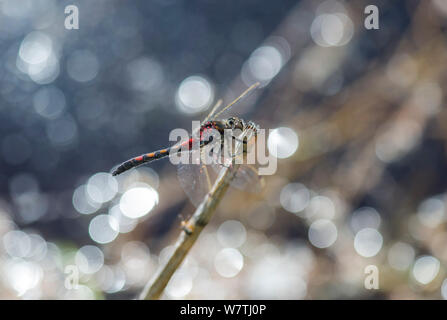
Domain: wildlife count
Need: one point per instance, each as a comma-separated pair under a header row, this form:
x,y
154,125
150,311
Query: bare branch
x,y
192,229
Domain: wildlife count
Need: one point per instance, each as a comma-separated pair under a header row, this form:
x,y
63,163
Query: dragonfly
x,y
196,178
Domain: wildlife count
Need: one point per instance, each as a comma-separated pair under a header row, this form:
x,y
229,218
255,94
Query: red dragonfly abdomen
x,y
149,157
152,156
144,158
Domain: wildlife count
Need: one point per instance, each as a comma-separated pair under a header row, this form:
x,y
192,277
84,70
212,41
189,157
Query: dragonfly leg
x,y
205,169
239,140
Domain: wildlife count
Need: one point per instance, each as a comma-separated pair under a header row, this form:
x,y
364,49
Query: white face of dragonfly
x,y
237,123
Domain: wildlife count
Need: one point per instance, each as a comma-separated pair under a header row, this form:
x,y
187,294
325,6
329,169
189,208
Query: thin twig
x,y
192,229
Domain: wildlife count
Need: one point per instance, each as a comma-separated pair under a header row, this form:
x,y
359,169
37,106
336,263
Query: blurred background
x,y
359,124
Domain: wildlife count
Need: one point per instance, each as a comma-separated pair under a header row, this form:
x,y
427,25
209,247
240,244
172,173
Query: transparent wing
x,y
193,182
247,179
197,179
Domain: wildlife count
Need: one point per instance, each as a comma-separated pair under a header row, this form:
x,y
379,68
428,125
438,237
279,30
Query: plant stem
x,y
191,231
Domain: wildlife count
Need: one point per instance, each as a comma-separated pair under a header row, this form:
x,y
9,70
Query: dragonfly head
x,y
235,123
241,124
